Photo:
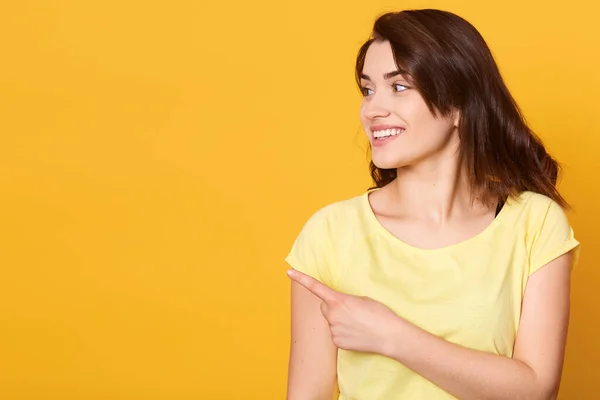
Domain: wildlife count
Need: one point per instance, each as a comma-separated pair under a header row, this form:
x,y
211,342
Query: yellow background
x,y
158,158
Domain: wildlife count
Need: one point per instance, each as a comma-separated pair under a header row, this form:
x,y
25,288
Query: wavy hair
x,y
452,67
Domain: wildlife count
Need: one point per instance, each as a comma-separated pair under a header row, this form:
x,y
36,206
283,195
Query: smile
x,y
385,133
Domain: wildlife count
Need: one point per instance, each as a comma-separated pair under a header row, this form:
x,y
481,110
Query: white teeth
x,y
387,132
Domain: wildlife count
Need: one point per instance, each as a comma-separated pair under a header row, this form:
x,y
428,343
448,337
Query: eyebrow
x,y
387,75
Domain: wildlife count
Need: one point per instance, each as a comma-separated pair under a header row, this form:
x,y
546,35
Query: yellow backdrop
x,y
158,159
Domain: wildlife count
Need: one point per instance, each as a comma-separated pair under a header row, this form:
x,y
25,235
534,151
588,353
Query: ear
x,y
456,117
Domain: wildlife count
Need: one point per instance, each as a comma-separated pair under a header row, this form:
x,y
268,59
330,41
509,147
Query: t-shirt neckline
x,y
379,228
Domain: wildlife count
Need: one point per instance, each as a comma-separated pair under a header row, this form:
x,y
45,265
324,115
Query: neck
x,y
437,190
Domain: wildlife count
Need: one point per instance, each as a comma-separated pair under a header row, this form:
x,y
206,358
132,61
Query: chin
x,y
398,159
384,165
389,163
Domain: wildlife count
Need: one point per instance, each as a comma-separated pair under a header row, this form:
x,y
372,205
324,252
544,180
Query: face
x,y
401,129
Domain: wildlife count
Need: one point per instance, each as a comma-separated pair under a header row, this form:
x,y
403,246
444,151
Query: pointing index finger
x,y
320,290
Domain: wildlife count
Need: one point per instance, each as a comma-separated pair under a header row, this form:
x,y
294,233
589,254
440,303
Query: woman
x,y
450,278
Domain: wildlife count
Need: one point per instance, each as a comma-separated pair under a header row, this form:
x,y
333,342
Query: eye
x,y
366,91
398,87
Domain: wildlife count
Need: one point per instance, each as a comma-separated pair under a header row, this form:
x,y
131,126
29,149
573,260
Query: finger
x,y
325,311
320,290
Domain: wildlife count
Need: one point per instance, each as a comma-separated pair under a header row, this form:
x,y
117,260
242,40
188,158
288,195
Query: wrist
x,y
394,343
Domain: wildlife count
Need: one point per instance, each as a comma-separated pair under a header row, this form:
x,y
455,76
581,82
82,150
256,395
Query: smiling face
x,y
403,132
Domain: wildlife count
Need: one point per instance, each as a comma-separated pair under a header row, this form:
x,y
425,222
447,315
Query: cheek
x,y
361,114
364,121
428,125
435,135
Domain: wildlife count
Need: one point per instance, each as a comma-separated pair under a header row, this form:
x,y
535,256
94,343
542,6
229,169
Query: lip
x,y
383,142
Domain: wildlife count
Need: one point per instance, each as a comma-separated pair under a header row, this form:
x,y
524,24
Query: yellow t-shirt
x,y
469,293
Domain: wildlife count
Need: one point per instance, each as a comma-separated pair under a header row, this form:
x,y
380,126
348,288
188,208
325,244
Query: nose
x,y
376,106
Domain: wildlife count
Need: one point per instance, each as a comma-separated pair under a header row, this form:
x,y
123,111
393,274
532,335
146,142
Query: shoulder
x,y
538,201
339,214
332,224
532,199
535,208
548,215
534,214
548,232
315,248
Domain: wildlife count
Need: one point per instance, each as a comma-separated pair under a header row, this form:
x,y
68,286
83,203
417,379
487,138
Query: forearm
x,y
466,373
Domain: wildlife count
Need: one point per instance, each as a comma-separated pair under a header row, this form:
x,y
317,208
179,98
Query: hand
x,y
356,323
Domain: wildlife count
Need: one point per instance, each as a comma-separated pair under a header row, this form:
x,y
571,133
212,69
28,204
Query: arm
x,y
534,371
313,356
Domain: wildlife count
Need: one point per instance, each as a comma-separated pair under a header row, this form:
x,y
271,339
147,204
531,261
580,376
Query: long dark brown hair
x,y
450,64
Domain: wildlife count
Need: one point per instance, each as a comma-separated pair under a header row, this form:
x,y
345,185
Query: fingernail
x,y
290,272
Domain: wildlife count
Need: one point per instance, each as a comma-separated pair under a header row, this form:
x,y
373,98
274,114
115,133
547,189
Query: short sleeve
x,y
554,238
312,252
